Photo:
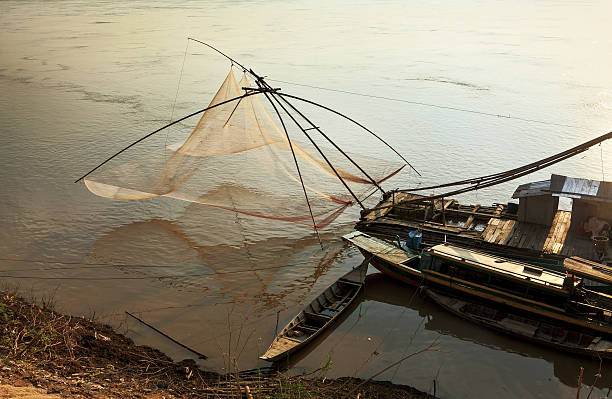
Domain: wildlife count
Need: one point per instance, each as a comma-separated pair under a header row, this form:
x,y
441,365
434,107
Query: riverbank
x,y
66,356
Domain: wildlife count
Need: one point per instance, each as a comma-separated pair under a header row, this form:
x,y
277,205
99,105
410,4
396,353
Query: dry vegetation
x,y
76,357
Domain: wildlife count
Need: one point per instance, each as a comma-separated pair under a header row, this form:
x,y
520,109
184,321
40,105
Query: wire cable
x,y
97,265
429,104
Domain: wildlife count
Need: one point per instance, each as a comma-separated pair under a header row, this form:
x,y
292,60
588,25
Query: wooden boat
x,y
528,328
320,314
535,229
400,263
557,296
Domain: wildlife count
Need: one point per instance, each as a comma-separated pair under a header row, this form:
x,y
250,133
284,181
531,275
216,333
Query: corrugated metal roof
x,y
574,187
564,186
532,189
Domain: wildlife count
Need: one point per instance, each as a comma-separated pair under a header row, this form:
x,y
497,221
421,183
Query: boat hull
x,y
526,328
405,275
376,252
335,300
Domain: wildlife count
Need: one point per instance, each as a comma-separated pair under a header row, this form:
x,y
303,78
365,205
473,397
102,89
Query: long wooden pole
x,y
352,120
200,355
164,127
577,149
297,165
318,149
535,166
333,143
264,85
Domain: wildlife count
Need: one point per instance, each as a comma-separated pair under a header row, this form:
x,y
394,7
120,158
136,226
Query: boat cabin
x,y
585,231
482,272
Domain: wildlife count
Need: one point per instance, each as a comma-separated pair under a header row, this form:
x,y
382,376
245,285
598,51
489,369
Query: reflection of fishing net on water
x,y
237,158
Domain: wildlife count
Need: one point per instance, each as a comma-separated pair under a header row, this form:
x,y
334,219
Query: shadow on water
x,y
248,272
380,288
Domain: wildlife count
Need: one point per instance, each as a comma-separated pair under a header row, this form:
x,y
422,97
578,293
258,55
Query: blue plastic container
x,y
414,239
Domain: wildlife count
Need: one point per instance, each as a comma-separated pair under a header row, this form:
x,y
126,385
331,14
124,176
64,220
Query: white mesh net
x,y
238,159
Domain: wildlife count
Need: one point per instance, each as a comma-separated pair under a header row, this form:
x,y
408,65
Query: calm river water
x,y
81,79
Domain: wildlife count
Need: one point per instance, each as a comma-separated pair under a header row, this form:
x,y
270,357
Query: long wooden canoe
x,y
318,315
531,329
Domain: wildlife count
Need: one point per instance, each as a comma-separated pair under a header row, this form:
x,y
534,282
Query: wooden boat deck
x,y
391,204
555,239
493,228
378,247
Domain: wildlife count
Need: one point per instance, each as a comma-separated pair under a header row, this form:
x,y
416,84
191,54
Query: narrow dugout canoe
x,y
318,315
531,329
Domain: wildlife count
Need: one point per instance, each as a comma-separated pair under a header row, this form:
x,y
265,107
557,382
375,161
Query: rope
x,y
603,176
98,265
429,104
177,92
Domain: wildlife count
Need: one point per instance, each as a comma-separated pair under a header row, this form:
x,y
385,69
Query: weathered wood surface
x,y
387,206
471,218
558,232
416,226
590,269
502,232
548,239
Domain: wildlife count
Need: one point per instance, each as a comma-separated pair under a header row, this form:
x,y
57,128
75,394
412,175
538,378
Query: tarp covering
x,y
237,158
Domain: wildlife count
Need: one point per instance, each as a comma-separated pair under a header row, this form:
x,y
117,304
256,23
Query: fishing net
x,y
237,158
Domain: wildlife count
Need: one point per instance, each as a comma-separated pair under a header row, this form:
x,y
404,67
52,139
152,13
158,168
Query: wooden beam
x,y
471,218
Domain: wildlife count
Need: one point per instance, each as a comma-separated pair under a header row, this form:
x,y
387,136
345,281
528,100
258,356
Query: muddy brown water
x,y
80,80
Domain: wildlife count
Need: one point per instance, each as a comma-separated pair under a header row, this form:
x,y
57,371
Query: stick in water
x,y
200,356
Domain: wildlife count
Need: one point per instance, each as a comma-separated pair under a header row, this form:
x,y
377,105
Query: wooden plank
x,y
524,236
471,218
499,231
542,233
528,236
568,223
559,228
551,237
416,225
534,236
562,223
516,235
494,234
393,200
440,226
507,233
506,230
490,229
486,231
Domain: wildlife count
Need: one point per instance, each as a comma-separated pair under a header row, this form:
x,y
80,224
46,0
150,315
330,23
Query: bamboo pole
x,y
162,128
355,122
297,166
273,94
574,151
579,382
334,144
